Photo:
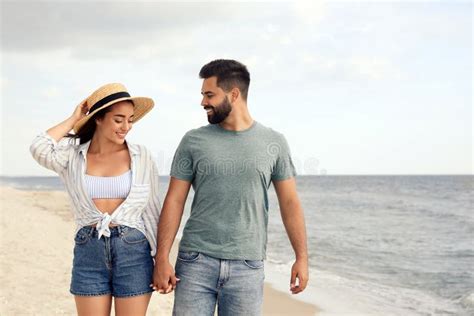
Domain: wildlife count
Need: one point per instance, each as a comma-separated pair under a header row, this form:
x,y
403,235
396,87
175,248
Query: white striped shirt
x,y
141,208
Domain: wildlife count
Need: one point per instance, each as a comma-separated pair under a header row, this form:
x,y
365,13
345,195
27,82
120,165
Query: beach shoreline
x,y
37,244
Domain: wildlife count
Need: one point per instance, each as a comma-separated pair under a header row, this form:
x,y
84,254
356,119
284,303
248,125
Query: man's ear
x,y
235,93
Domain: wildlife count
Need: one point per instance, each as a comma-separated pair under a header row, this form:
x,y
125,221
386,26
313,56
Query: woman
x,y
113,186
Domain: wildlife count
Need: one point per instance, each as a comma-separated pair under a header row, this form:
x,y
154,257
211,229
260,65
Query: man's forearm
x,y
168,227
293,219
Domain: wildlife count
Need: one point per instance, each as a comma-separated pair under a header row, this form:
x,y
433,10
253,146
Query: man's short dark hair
x,y
230,73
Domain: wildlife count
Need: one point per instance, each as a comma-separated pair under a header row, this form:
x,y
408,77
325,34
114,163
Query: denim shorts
x,y
120,265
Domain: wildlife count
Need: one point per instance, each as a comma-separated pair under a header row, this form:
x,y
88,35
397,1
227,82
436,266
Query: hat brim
x,y
141,106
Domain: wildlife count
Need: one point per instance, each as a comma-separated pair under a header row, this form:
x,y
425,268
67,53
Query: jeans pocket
x,y
254,264
82,236
188,256
132,235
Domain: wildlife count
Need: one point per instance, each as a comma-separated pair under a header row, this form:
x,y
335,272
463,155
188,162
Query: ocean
x,y
378,245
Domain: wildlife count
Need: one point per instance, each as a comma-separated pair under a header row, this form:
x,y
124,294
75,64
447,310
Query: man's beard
x,y
220,112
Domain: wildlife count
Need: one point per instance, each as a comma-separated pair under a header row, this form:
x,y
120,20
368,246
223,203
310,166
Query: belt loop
x,y
91,231
119,229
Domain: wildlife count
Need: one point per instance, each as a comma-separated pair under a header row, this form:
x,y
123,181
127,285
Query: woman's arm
x,y
59,131
45,149
152,211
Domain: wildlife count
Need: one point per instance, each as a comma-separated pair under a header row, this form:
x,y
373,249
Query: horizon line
x,y
302,175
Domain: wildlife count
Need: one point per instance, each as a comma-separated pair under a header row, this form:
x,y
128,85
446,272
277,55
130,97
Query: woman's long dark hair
x,y
87,130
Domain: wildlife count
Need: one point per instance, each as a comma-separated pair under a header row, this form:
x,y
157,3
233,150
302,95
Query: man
x,y
230,163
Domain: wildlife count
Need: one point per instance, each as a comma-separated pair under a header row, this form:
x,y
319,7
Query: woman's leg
x,y
135,305
93,305
90,283
132,272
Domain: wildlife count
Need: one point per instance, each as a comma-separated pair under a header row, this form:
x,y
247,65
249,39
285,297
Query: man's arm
x,y
164,279
293,219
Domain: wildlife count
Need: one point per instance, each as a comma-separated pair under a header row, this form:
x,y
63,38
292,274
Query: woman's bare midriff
x,y
107,206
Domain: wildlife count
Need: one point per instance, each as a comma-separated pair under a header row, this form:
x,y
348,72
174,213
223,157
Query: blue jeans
x,y
236,286
120,265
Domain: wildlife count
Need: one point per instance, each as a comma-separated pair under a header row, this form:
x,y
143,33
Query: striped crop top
x,y
141,208
117,187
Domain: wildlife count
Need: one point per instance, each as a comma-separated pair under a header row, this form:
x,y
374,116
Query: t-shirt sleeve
x,y
284,167
182,166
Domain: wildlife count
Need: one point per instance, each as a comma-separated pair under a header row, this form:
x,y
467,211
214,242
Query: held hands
x,y
80,110
299,271
164,279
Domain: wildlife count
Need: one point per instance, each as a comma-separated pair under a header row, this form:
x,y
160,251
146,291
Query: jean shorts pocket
x,y
82,236
133,236
254,264
188,256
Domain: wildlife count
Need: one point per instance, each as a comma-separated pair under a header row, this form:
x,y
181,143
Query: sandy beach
x,y
36,247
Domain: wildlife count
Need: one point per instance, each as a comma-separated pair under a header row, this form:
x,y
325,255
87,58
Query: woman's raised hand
x,y
80,110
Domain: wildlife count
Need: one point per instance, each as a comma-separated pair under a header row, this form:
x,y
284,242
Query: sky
x,y
372,87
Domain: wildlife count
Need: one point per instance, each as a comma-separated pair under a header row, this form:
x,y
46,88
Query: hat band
x,y
108,99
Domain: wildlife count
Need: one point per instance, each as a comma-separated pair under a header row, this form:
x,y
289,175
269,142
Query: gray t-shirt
x,y
230,173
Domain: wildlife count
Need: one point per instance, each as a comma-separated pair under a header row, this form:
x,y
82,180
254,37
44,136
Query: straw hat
x,y
110,94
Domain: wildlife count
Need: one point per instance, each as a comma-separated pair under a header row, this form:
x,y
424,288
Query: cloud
x,y
350,68
54,25
297,53
168,88
91,26
4,82
310,12
51,92
373,68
